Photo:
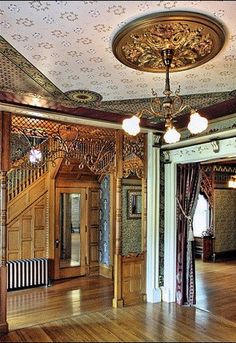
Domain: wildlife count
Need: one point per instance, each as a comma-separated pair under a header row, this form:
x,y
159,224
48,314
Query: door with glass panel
x,y
70,239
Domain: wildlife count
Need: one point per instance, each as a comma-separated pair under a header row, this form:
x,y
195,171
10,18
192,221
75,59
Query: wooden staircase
x,y
27,213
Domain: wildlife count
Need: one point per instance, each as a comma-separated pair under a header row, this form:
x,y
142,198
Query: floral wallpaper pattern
x,y
104,227
225,225
131,228
46,32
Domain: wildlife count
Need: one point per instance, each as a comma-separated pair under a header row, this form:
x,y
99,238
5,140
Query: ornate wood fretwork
x,y
133,155
92,147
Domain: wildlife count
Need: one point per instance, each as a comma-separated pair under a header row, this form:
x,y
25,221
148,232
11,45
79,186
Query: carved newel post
x,y
5,122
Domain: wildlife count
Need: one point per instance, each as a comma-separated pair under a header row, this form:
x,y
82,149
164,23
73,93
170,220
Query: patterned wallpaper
x,y
134,105
19,76
14,79
131,228
70,42
225,220
104,227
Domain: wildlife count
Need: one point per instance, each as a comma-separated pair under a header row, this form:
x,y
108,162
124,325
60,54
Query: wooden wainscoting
x,y
106,271
133,279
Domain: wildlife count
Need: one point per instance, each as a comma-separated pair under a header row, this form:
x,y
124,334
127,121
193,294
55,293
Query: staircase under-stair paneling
x,y
27,222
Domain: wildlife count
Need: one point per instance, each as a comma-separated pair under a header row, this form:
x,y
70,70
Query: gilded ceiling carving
x,y
194,39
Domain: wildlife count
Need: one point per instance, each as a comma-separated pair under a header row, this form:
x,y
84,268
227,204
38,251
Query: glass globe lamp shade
x,y
197,123
171,135
232,182
35,155
131,125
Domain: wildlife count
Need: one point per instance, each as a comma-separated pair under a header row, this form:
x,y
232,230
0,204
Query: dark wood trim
x,y
224,255
3,300
5,126
5,130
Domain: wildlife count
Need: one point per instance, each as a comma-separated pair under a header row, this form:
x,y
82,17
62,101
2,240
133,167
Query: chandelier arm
x,y
157,103
181,107
146,110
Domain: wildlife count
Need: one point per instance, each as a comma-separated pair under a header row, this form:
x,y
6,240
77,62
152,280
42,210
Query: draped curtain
x,y
207,188
188,186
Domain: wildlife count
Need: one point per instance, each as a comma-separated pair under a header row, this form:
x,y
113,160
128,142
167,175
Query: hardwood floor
x,y
160,322
216,288
65,298
80,310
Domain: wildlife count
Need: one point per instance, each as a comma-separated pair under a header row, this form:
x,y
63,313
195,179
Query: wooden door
x,y
70,235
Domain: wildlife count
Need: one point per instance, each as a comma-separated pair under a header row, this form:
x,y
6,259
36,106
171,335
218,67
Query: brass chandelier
x,y
162,42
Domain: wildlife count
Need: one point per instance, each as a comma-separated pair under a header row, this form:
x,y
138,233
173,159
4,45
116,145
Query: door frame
x,y
66,272
190,154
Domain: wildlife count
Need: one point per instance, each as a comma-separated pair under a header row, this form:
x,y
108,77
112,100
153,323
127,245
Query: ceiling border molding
x,y
194,100
28,68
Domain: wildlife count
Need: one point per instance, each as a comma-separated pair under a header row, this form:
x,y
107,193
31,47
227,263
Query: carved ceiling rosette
x,y
195,39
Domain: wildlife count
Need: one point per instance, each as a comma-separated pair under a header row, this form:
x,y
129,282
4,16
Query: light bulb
x,y
131,125
232,182
171,135
197,123
35,155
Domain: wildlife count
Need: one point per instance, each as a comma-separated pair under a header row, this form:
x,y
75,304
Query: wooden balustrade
x,y
20,179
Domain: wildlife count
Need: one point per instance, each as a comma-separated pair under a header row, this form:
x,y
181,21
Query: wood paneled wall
x,y
27,222
133,279
93,229
28,233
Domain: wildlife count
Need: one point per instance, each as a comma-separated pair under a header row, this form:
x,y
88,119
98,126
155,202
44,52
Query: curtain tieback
x,y
190,222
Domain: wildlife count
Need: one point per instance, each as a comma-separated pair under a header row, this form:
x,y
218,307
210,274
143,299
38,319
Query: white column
x,y
170,234
153,190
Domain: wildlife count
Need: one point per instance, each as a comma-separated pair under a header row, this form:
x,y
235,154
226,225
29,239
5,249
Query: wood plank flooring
x,y
65,298
216,288
80,310
140,323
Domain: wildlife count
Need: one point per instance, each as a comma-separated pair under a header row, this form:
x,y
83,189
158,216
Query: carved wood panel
x,y
27,235
133,279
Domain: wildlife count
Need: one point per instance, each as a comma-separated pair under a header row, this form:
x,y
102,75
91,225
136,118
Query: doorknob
x,y
57,243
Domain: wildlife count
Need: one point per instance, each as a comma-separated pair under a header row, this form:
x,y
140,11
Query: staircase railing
x,y
20,179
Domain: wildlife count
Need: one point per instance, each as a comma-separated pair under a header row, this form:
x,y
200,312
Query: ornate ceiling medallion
x,y
83,96
195,39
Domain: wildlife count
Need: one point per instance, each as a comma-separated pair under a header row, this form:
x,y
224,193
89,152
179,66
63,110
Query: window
x,y
201,216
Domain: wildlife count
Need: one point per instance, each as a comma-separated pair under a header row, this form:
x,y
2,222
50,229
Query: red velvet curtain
x,y
188,184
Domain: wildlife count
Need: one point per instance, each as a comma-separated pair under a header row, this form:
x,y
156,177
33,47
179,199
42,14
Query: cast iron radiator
x,y
27,273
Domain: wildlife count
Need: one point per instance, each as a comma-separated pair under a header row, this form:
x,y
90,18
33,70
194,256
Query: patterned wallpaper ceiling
x,y
70,42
